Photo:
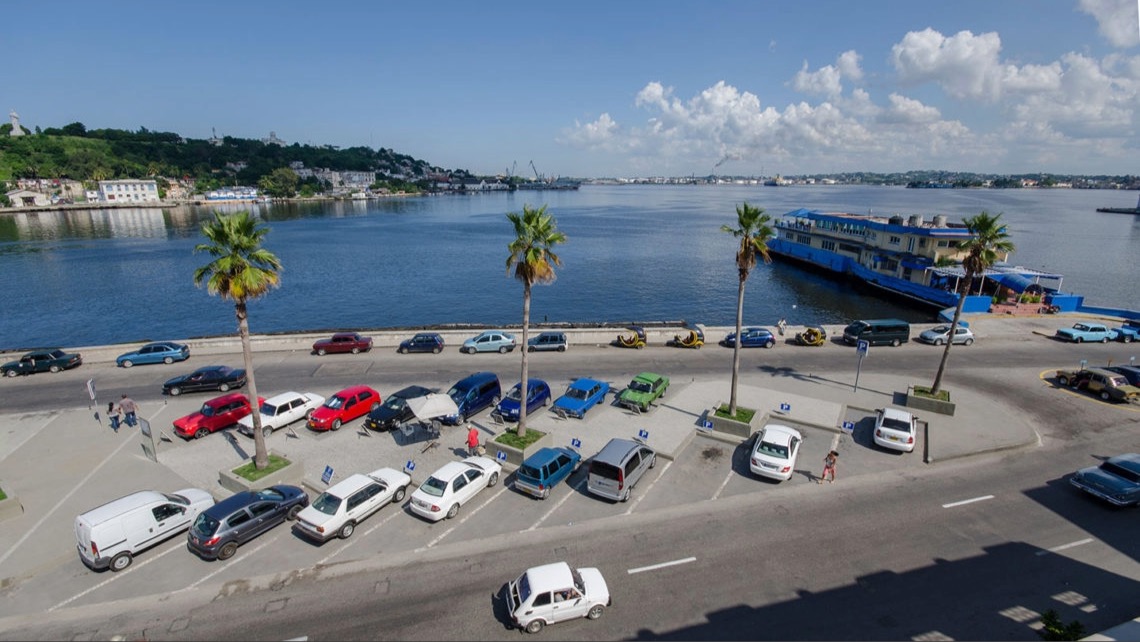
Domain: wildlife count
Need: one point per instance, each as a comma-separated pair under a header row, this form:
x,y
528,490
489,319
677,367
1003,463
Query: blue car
x,y
751,338
581,395
545,469
160,352
1116,480
537,396
422,342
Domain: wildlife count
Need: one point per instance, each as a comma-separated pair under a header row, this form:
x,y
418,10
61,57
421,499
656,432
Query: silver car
x,y
940,334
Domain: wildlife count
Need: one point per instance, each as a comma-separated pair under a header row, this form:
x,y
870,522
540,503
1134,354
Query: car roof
x,y
778,434
892,413
340,335
545,455
349,485
283,397
451,470
225,399
410,392
1131,461
584,383
1104,372
214,368
353,390
433,335
549,577
649,376
615,450
530,383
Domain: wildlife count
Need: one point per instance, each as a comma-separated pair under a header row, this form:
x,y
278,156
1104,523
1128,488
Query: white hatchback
x,y
337,511
896,429
774,454
452,486
282,410
554,593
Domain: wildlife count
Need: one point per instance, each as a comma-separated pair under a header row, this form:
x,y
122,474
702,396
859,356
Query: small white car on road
x,y
337,511
775,451
454,485
896,429
555,593
282,410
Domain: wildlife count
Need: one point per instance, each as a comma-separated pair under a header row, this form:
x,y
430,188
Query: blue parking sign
x,y
501,456
785,407
328,475
575,442
849,426
410,466
861,347
643,433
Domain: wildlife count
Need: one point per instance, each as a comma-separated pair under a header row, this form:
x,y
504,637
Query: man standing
x,y
129,408
472,440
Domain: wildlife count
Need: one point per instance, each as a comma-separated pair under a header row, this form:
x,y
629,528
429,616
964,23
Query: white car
x,y
896,429
555,593
490,341
282,410
454,485
938,335
774,454
337,511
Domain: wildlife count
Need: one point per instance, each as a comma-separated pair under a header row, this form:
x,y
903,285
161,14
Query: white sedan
x,y
454,485
282,410
939,335
337,511
896,429
775,452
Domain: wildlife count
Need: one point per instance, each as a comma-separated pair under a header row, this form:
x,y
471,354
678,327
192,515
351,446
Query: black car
x,y
394,411
42,361
219,530
220,378
423,342
1131,373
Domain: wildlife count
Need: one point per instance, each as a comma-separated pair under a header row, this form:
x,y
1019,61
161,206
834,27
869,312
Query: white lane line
x,y
641,495
1057,549
724,483
467,516
560,502
968,501
33,433
661,565
232,562
399,509
133,567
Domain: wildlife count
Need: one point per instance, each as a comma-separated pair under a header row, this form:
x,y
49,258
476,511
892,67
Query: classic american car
x,y
1116,480
1129,332
581,395
42,361
643,390
1108,385
1081,332
343,342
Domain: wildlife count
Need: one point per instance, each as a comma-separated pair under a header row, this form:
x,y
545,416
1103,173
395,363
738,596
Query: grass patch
x,y
511,438
249,471
2,495
924,391
743,415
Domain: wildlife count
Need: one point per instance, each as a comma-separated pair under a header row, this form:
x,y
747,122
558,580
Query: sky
x,y
606,89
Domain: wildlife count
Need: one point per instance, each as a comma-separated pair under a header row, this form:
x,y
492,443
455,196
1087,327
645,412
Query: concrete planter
x,y
293,474
10,507
732,427
516,457
928,404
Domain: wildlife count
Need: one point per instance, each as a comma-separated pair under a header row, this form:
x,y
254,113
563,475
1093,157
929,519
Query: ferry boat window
x,y
922,242
894,240
803,238
828,245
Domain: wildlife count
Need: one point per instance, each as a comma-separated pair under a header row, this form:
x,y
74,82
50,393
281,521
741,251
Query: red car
x,y
344,406
215,414
343,342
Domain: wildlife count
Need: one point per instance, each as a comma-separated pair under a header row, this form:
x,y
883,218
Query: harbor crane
x,y
537,176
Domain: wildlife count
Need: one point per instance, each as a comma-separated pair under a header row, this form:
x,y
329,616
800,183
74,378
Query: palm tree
x,y
988,239
533,259
241,270
753,231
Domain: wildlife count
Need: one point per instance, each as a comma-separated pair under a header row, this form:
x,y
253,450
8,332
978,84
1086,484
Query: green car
x,y
41,361
645,388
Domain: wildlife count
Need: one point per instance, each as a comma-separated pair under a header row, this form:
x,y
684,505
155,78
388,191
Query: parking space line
x,y
723,484
642,494
968,501
368,532
553,508
1058,549
654,567
467,516
233,561
113,577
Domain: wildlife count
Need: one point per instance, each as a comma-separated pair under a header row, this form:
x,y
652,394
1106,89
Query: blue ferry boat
x,y
910,257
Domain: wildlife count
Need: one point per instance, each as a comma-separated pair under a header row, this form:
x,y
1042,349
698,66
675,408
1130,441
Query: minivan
x,y
618,467
877,332
110,535
472,394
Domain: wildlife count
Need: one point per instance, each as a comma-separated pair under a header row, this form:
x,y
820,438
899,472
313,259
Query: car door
x,y
366,501
204,381
230,413
240,526
351,409
562,468
266,515
568,604
27,364
461,489
542,607
170,518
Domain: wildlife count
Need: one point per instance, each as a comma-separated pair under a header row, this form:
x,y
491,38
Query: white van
x,y
110,535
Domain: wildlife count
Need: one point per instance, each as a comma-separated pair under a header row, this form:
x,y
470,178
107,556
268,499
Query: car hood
x,y
200,500
189,421
1108,483
324,413
384,414
568,402
596,588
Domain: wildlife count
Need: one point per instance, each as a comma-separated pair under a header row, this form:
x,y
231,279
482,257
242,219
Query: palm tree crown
x,y
753,230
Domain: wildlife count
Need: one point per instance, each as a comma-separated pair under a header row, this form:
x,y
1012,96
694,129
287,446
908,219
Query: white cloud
x,y
824,81
965,65
1117,20
907,110
848,64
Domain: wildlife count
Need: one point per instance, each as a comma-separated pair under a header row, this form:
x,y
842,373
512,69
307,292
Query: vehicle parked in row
x,y
158,352
643,390
348,404
219,530
340,509
472,394
489,341
555,593
112,534
422,342
42,361
394,410
1130,373
1116,480
581,395
939,335
537,396
750,338
1081,332
877,332
813,335
545,469
775,451
214,415
342,342
1102,382
547,341
282,410
617,468
895,429
219,378
452,486
1129,331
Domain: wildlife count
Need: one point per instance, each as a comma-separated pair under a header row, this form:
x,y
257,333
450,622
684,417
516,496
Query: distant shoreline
x,y
167,205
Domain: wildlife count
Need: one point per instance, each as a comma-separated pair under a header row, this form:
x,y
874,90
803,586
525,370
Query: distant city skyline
x,y
598,89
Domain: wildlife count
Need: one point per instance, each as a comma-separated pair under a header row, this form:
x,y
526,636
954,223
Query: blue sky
x,y
595,89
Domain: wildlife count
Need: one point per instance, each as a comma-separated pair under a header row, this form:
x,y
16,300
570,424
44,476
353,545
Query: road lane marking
x,y
1057,549
968,501
114,577
723,484
560,502
466,516
661,565
232,562
641,495
366,534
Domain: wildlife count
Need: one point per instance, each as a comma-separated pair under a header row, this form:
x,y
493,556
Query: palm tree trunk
x,y
736,347
521,431
260,454
950,339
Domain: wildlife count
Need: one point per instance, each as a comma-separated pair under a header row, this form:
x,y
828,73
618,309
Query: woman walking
x,y
113,415
829,463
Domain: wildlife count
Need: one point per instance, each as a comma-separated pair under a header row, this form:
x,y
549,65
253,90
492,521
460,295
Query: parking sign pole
x,y
861,350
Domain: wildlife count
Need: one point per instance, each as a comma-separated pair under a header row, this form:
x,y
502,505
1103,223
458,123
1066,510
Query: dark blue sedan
x,y
537,396
581,395
159,352
422,342
545,469
751,338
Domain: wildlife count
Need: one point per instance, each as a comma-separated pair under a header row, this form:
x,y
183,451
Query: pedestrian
x,y
113,415
829,463
130,410
781,324
472,440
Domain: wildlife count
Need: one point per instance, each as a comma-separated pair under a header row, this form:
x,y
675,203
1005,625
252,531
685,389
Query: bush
x,y
1055,629
250,472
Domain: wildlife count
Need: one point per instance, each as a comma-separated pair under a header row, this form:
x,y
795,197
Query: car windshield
x,y
268,410
327,503
1120,471
1118,381
271,494
942,329
516,393
205,525
640,386
177,499
57,353
336,402
528,471
395,403
576,393
434,487
1080,326
456,394
891,423
207,410
772,450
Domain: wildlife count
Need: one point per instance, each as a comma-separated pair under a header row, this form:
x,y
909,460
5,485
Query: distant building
x,y
129,191
273,140
27,198
233,194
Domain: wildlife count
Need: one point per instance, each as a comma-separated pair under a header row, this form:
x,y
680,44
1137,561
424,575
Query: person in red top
x,y
472,440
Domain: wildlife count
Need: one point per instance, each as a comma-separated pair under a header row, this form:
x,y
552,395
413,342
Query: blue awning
x,y
1015,282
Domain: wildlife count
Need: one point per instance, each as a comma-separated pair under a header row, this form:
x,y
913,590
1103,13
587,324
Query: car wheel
x,y
1126,338
202,432
336,425
770,343
10,373
403,350
534,626
225,387
530,349
266,431
127,363
120,561
1105,396
1077,340
227,550
175,391
595,612
346,530
1064,381
895,343
938,342
54,368
968,342
493,480
460,419
1104,340
546,402
546,492
562,348
168,360
356,351
653,462
398,496
293,511
453,511
625,496
322,352
504,349
436,350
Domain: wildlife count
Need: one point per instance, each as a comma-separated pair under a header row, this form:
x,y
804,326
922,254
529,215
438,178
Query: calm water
x,y
635,253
